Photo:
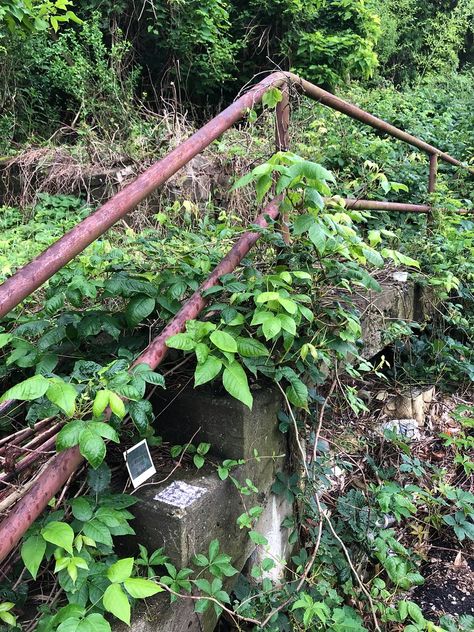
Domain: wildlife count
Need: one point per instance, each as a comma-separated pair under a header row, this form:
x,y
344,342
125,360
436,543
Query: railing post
x,y
282,143
432,182
433,172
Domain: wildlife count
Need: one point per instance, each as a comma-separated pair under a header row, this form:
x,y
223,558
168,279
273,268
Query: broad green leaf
x,y
207,371
92,447
297,394
288,305
101,401
372,257
258,538
251,348
303,223
261,317
272,97
224,341
104,430
140,588
69,435
264,297
262,186
5,339
69,625
138,309
63,395
116,405
121,570
99,479
81,509
151,377
142,414
98,532
29,389
116,602
201,351
236,384
60,534
32,552
317,236
314,199
271,327
287,323
181,341
98,622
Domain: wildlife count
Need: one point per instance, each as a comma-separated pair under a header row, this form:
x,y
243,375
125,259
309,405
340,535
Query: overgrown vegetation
x,y
370,505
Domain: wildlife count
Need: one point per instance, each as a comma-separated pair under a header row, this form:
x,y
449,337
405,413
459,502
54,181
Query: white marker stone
x,y
180,494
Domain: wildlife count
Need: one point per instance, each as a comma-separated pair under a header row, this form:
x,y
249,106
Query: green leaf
x,y
224,341
151,377
121,570
272,97
207,371
81,509
258,538
372,257
98,623
317,236
139,588
265,297
251,348
116,405
181,341
303,223
99,479
138,309
262,185
69,435
60,534
104,430
63,395
29,389
297,393
92,447
5,339
69,625
287,323
101,401
271,327
98,532
116,602
236,384
32,552
201,351
198,461
142,414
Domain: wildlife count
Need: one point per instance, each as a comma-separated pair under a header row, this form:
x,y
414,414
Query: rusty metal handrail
x,y
34,274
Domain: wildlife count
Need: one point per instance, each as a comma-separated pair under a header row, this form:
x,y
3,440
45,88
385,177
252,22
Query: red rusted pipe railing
x,y
65,463
34,274
336,103
376,205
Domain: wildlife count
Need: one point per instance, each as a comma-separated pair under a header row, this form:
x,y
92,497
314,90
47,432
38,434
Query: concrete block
x,y
193,507
231,428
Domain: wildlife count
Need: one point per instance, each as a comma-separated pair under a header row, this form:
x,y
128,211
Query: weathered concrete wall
x,y
185,523
405,301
